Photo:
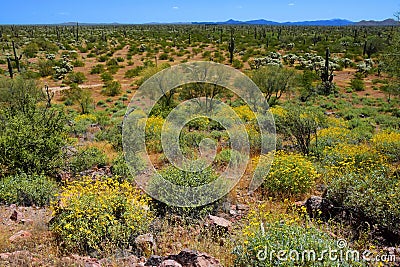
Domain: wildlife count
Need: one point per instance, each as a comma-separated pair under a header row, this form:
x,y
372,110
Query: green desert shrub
x,y
112,88
133,72
31,134
288,238
372,193
195,176
87,158
97,69
27,190
357,84
112,134
75,77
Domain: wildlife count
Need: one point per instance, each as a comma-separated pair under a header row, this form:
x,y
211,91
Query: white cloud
x,y
239,7
175,7
291,4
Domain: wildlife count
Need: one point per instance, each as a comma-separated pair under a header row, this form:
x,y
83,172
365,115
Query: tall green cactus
x,y
10,69
231,47
327,75
77,32
16,58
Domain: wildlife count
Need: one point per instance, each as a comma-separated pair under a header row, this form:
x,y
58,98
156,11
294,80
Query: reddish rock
x,y
170,263
145,243
219,221
26,221
20,235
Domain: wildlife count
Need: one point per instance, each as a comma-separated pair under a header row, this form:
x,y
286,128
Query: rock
x,y
319,207
26,221
226,206
131,260
11,256
16,216
170,263
299,204
219,222
4,256
145,244
154,260
242,207
233,212
193,258
87,261
20,235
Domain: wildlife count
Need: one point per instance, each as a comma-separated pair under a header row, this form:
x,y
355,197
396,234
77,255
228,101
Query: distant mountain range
x,y
332,22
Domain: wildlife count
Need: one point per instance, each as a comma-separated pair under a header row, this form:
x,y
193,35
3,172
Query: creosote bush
x,y
87,158
100,215
196,176
372,193
27,190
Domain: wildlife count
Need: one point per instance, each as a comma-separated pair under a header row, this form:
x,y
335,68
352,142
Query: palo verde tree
x,y
81,96
32,133
299,125
391,64
274,81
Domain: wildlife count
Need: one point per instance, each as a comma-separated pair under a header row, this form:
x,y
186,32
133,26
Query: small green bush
x,y
112,134
373,193
87,158
112,88
27,190
133,72
78,63
196,177
223,158
75,77
97,69
237,64
262,246
357,84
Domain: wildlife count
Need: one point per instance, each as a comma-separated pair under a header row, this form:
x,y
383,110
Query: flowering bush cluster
x,y
387,143
270,241
99,215
290,174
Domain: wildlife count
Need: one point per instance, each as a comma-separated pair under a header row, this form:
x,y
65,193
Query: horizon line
x,y
195,22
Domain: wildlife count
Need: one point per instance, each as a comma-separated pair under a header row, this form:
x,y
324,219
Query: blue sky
x,y
125,11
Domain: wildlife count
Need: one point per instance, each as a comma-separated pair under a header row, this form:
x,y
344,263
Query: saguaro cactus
x,y
327,75
16,58
231,47
77,32
10,69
